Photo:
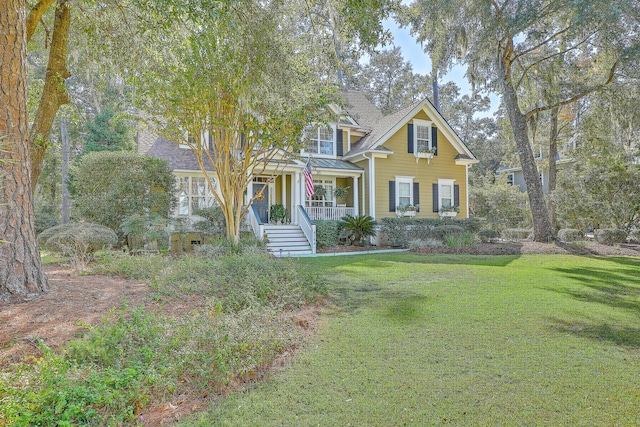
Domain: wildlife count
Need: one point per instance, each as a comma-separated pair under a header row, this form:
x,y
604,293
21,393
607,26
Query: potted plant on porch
x,y
278,214
341,192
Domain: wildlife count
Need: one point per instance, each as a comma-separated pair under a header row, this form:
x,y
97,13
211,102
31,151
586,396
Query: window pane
x,y
404,189
326,147
422,138
446,191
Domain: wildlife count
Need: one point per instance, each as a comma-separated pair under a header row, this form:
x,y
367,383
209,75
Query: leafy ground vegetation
x,y
210,323
460,340
410,339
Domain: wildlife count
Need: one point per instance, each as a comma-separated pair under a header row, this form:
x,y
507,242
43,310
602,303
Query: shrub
x,y
459,240
399,231
44,220
635,236
610,236
443,231
424,243
78,241
570,235
109,186
214,222
486,235
516,233
358,227
142,230
327,233
501,204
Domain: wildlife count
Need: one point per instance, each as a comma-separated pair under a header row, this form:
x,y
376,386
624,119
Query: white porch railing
x,y
256,224
328,213
307,227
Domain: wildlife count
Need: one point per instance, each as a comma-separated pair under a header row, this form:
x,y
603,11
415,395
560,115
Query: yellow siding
x,y
402,163
345,182
278,195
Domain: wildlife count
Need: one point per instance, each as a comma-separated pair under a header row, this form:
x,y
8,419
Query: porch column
x,y
356,207
295,197
284,189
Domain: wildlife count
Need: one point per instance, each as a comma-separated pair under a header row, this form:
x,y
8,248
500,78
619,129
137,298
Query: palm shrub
x,y
358,227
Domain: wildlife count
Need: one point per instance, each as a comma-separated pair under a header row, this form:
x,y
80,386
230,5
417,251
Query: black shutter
x,y
392,196
410,138
456,195
435,197
434,139
339,149
416,195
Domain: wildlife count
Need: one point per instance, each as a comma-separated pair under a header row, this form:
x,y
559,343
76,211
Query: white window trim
x,y
303,152
208,195
423,123
442,183
404,179
319,180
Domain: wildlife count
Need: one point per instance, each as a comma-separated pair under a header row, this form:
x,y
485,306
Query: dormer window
x,y
320,139
422,136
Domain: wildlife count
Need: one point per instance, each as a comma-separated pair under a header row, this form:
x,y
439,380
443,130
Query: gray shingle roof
x,y
178,158
380,128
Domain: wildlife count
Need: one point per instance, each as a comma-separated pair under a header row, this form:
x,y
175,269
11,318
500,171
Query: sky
x,y
412,52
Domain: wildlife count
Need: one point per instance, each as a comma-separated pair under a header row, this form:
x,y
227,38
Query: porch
x,y
329,212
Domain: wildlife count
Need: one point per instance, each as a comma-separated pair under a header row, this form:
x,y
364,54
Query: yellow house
x,y
408,163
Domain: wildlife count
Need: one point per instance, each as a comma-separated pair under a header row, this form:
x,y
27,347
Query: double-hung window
x,y
446,192
320,139
422,136
193,194
404,191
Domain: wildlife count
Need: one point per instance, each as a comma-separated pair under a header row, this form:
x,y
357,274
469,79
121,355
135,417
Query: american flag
x,y
308,179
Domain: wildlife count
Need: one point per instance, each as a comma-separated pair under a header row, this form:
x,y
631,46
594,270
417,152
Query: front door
x,y
261,206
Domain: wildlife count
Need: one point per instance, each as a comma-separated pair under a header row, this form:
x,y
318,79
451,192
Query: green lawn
x,y
461,340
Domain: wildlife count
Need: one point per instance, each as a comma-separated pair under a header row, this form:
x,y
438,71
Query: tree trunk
x,y
66,210
542,230
553,170
54,93
21,274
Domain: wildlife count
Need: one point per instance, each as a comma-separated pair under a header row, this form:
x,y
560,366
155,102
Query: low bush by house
x,y
516,233
570,235
610,236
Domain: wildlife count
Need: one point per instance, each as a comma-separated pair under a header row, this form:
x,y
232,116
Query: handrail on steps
x,y
307,227
256,223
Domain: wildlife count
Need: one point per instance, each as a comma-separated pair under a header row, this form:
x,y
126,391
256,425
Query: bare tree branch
x,y
576,97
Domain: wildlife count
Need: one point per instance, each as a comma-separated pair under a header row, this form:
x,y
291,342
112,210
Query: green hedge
x,y
399,231
327,233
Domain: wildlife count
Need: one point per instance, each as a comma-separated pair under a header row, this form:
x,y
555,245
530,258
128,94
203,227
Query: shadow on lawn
x,y
615,287
391,260
622,336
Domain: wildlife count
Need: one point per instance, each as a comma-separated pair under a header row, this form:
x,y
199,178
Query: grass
x,y
461,340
